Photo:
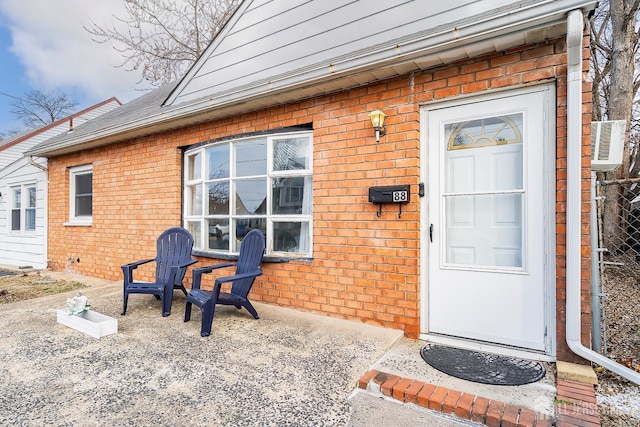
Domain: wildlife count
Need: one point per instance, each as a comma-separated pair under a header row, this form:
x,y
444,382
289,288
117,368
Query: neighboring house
x,y
270,129
23,189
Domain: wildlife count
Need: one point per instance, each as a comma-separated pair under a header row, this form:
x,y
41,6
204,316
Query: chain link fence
x,y
617,228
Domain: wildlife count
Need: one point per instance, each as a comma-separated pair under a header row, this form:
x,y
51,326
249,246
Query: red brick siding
x,y
364,267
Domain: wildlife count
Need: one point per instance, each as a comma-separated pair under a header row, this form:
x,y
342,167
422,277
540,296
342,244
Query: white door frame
x,y
549,183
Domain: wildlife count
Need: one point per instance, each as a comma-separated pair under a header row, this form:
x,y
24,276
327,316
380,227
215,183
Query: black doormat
x,y
482,367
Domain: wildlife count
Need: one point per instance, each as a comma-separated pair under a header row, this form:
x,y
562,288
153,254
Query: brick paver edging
x,y
575,404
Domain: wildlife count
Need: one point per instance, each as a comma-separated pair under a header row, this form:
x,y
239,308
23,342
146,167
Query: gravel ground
x,y
287,368
15,286
53,375
619,399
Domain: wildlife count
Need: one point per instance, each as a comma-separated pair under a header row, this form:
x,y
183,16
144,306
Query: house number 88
x,y
399,196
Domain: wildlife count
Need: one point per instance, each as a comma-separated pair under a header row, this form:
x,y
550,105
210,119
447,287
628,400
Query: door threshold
x,y
487,347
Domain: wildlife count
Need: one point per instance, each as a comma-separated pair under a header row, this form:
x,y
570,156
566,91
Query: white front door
x,y
487,205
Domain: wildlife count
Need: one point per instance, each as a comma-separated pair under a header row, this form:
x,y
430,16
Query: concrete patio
x,y
288,368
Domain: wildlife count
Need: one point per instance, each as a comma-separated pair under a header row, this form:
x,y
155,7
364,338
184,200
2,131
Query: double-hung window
x,y
23,208
81,195
262,182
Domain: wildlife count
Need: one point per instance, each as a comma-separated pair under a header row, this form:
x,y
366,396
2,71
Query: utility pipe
x,y
575,25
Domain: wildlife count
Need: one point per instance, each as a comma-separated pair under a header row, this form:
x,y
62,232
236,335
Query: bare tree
x,y
38,108
614,52
614,49
163,37
8,134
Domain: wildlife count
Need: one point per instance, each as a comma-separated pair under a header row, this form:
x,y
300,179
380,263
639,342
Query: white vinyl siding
x,y
27,246
10,152
272,41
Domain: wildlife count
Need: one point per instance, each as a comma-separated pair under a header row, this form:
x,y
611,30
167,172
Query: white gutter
x,y
575,25
503,20
520,16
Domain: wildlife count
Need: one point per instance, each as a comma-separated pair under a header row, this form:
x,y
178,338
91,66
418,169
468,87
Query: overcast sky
x,y
43,46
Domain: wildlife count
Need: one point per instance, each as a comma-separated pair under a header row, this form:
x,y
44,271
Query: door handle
x,y
431,233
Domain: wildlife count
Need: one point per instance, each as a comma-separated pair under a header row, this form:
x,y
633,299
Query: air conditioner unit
x,y
607,143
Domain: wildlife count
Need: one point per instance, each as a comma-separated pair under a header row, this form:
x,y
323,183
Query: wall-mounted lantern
x,y
377,121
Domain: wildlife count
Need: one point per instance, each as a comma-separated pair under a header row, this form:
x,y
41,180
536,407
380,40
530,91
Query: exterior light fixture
x,y
377,121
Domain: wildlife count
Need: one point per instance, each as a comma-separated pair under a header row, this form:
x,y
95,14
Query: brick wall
x,y
364,267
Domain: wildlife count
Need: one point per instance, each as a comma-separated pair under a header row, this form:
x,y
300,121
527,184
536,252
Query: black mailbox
x,y
389,194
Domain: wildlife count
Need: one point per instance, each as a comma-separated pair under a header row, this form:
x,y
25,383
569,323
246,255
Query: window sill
x,y
79,223
233,257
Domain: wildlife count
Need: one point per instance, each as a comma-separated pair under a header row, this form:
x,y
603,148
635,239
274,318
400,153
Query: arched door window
x,y
486,132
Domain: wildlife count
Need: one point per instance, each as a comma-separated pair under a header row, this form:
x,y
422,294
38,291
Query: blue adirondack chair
x,y
172,259
247,269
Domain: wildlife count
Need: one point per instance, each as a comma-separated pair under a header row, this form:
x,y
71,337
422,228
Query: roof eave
x,y
414,54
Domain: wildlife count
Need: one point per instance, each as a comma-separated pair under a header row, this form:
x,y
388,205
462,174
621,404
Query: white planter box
x,y
91,323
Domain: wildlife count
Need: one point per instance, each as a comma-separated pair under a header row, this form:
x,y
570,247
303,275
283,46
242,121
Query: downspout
x,y
33,163
575,25
596,317
45,243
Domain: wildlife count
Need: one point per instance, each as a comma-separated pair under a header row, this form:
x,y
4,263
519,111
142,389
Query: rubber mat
x,y
480,367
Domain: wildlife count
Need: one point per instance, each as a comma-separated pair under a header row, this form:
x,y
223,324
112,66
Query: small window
x,y
30,210
81,195
16,210
23,208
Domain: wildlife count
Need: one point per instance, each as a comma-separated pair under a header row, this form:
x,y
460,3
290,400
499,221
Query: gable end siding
x,y
274,39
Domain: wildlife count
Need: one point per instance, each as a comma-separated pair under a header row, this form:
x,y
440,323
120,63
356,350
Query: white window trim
x,y
270,174
84,220
24,194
